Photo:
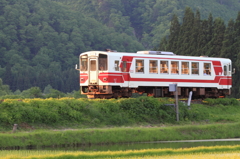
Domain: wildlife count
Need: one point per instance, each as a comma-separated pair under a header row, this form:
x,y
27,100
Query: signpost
x,y
174,88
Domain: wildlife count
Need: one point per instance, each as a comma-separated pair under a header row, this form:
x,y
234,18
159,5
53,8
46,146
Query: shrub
x,y
223,101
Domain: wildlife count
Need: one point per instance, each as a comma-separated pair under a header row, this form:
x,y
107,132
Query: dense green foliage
x,y
36,92
209,37
115,112
149,20
40,40
92,112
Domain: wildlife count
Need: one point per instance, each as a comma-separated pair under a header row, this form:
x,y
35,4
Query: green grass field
x,y
54,122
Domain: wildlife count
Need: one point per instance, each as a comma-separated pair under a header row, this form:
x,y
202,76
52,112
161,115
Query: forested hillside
x,y
149,20
40,40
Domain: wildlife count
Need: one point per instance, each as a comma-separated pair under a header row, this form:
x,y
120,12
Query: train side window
x,y
185,68
195,68
174,67
225,70
163,66
140,66
206,69
153,68
124,66
116,65
102,62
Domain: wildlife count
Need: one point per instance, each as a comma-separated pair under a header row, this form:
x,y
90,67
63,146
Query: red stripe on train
x,y
120,78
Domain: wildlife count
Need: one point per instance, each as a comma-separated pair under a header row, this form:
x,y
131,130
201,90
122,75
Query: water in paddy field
x,y
135,146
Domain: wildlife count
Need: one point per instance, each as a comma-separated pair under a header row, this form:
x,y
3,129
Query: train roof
x,y
156,54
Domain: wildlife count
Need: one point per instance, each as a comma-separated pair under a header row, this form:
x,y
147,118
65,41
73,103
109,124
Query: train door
x,y
227,73
93,71
125,74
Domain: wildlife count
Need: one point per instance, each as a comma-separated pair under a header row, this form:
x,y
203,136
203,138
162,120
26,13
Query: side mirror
x,y
76,67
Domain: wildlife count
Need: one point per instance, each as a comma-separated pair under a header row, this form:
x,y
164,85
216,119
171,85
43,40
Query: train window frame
x,y
83,63
195,68
124,66
103,62
116,65
184,68
93,65
153,66
225,70
207,69
164,67
139,65
175,67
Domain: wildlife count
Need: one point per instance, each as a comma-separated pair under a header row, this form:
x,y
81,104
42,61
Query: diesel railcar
x,y
112,74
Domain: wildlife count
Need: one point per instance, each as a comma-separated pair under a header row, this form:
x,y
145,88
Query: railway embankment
x,y
57,122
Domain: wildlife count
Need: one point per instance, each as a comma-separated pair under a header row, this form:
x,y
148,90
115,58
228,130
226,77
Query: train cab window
x,y
185,68
207,69
83,63
163,66
140,66
195,68
102,62
116,65
153,66
174,67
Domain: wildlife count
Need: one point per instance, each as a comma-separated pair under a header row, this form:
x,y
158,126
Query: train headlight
x,y
105,79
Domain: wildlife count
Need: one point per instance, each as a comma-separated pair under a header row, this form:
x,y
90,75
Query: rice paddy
x,y
182,153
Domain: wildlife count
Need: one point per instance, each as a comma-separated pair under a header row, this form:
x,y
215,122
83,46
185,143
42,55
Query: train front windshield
x,y
100,61
84,63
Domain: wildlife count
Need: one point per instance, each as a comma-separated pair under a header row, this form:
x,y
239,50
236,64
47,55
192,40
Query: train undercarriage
x,y
105,92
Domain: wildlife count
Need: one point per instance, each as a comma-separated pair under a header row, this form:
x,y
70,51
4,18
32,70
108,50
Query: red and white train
x,y
111,74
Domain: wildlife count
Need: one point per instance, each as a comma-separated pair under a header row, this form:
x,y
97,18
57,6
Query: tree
x,y
236,56
4,89
228,50
7,76
217,39
174,34
33,92
55,94
185,33
47,89
195,35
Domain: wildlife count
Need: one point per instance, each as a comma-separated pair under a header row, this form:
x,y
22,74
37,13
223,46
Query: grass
x,y
218,113
202,121
212,120
119,135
